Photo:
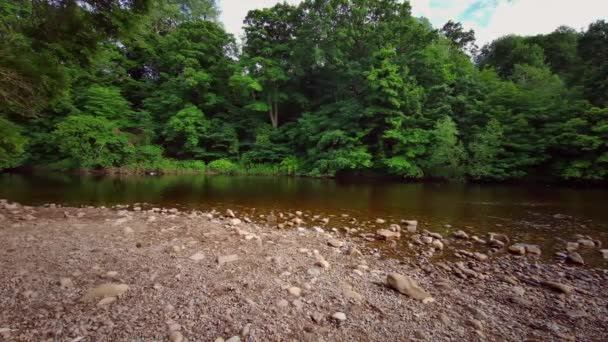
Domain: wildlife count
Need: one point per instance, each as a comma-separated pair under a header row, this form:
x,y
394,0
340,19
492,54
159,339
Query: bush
x,y
222,166
12,144
93,142
289,166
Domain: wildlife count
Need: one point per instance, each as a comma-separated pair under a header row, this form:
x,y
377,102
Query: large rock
x,y
408,287
575,258
499,237
386,234
461,235
517,249
105,290
586,243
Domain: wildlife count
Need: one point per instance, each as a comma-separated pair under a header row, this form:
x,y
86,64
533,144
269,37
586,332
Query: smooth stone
x,y
106,301
66,283
339,316
223,259
408,287
533,249
437,244
234,339
235,222
230,213
105,290
282,303
517,249
480,256
380,221
335,243
572,246
575,258
475,324
604,253
566,289
386,234
295,291
176,336
197,256
461,235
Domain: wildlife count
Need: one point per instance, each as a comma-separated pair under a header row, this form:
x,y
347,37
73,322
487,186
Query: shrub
x,y
12,144
222,166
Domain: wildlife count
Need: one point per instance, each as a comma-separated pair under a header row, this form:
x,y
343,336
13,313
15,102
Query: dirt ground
x,y
207,276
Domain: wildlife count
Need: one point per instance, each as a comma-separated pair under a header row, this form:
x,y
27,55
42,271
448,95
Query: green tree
x,y
12,144
92,142
447,157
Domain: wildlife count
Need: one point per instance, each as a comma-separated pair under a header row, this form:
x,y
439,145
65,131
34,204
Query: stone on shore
x,y
408,287
461,235
335,243
575,258
230,213
197,256
105,290
517,249
339,316
559,287
386,234
223,259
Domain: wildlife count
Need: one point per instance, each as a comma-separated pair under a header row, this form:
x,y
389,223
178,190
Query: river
x,y
539,214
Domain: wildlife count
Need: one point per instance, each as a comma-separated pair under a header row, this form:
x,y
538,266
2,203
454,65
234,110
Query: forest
x,y
324,88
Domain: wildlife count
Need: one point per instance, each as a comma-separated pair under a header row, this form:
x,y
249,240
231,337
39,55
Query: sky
x,y
489,18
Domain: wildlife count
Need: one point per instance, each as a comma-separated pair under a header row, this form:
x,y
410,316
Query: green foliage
x,y
447,157
12,144
223,166
484,152
92,142
320,88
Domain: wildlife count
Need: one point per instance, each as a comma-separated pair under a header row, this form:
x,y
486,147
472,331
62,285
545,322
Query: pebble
x,y
106,290
197,256
575,258
106,301
437,244
282,303
517,249
335,243
339,316
66,283
176,336
461,235
230,213
480,256
408,287
475,324
227,258
234,339
295,291
566,289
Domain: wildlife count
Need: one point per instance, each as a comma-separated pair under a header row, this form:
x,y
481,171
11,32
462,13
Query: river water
x,y
539,214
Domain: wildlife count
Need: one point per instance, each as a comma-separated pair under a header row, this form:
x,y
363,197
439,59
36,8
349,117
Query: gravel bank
x,y
97,274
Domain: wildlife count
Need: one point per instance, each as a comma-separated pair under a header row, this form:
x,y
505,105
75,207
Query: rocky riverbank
x,y
137,273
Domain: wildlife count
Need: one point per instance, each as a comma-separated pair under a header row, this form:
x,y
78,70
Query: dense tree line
x,y
322,88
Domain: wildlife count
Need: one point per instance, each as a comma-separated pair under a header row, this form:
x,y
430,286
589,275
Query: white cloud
x,y
528,17
235,11
494,18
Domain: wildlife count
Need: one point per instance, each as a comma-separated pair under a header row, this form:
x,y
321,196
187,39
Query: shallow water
x,y
527,213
